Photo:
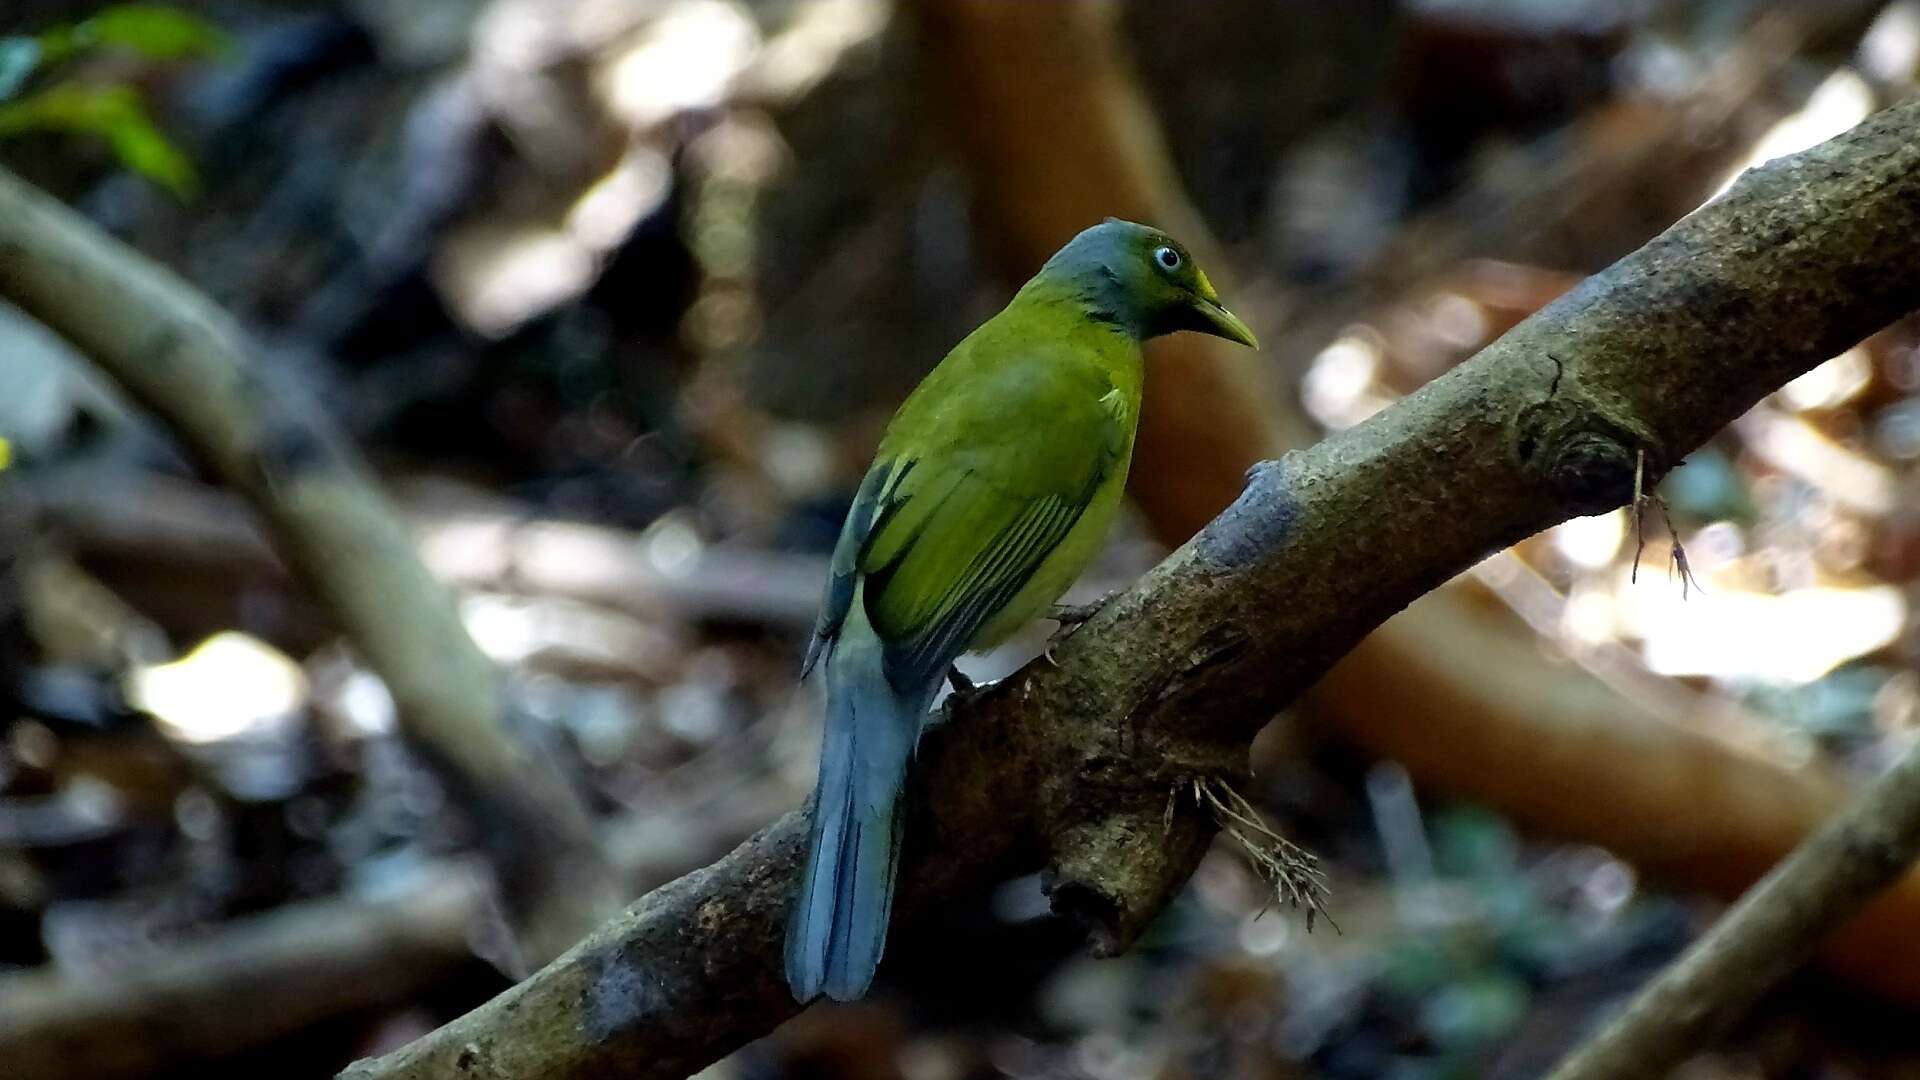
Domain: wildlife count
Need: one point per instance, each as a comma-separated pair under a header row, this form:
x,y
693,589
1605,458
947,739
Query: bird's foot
x,y
964,689
1071,617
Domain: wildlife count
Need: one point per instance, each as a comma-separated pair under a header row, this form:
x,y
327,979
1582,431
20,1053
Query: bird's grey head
x,y
1141,280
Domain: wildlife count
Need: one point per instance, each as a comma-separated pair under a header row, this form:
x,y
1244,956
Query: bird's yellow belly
x,y
1061,569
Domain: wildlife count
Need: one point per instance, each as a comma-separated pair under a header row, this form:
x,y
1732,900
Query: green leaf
x,y
18,57
159,31
114,113
145,149
64,108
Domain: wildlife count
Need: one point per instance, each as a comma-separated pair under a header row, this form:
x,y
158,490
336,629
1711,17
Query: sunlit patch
x,y
799,459
1591,542
1896,707
1261,936
1715,545
687,59
608,210
1338,388
366,703
230,685
1609,886
1791,638
514,36
1830,384
497,277
1792,445
1588,617
1457,320
501,625
582,638
1896,430
469,550
1890,51
796,59
1840,102
566,559
672,545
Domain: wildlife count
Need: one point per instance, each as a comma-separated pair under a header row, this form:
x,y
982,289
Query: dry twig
x,y
1291,871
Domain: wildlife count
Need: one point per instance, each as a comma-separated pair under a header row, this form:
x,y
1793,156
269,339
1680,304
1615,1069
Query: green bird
x,y
992,490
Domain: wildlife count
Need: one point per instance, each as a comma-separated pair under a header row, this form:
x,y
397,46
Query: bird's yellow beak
x,y
1220,322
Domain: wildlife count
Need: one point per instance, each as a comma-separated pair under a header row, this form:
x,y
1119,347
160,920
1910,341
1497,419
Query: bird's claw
x,y
1071,617
963,687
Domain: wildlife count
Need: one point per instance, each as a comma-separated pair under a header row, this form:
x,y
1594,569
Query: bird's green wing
x,y
935,578
870,504
961,509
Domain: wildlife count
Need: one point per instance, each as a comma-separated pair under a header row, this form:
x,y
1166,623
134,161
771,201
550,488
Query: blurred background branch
x,y
1761,939
181,357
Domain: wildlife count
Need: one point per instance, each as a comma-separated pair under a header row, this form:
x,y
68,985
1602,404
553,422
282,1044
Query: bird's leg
x,y
957,679
1070,617
965,690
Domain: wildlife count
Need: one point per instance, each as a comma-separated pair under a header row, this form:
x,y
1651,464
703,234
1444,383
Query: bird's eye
x,y
1168,258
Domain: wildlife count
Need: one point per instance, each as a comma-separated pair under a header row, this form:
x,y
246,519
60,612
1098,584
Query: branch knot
x,y
1592,471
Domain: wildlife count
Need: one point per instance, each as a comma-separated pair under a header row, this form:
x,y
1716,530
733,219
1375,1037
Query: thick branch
x,y
1461,696
1070,766
1470,677
1764,937
181,357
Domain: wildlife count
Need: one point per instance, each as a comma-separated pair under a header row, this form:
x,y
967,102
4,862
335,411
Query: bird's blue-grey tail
x,y
838,926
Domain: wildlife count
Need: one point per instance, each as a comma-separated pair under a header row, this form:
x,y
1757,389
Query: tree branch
x,y
1764,937
1070,766
179,355
1054,133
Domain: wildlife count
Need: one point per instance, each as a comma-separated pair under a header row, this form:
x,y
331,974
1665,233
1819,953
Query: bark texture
x,y
181,357
1071,766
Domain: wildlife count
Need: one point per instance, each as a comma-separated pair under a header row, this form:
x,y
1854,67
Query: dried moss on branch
x,y
1068,766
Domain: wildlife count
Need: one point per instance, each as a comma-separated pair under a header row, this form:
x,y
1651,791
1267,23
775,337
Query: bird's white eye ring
x,y
1168,258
